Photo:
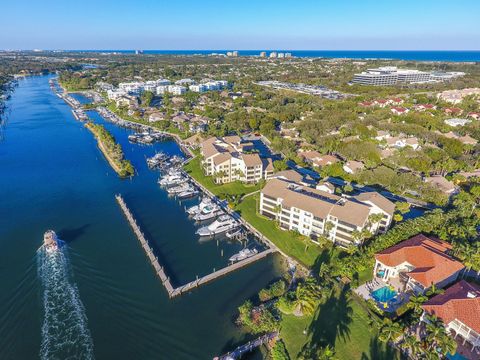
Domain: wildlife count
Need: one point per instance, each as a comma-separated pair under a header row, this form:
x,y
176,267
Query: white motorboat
x,y
236,232
243,254
179,189
172,180
195,209
50,241
209,212
187,194
219,226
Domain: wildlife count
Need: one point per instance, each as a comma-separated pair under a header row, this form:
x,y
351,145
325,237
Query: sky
x,y
241,25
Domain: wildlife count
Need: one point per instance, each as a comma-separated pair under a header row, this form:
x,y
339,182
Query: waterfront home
x,y
459,309
352,166
229,159
315,213
454,122
156,117
416,264
442,184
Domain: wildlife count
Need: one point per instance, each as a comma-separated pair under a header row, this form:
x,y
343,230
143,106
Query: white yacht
x,y
222,224
195,209
208,212
187,194
243,254
50,241
179,189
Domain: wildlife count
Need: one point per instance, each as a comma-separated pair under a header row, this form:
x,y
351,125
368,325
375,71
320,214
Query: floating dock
x,y
173,292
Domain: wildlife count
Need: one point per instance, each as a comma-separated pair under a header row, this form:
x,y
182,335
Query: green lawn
x,y
287,241
194,169
339,322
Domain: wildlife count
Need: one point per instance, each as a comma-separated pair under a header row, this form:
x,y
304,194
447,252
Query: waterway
x,y
54,176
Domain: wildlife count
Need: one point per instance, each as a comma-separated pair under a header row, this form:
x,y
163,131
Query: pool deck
x,y
365,292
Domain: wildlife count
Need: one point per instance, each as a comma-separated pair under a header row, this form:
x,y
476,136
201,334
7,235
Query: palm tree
x,y
434,291
307,296
413,345
416,303
390,331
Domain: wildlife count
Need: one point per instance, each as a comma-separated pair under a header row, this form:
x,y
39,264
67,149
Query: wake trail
x,y
65,333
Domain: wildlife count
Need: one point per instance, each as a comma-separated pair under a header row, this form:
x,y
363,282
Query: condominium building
x,y
209,86
315,213
263,54
228,159
391,75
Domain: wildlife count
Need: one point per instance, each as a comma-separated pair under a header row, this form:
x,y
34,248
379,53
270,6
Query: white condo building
x,y
391,75
315,213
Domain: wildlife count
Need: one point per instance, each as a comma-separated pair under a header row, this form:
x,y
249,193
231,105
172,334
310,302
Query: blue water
x,y
383,294
456,356
439,55
54,176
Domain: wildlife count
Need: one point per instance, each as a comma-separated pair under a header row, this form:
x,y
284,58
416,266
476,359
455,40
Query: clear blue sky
x,y
247,24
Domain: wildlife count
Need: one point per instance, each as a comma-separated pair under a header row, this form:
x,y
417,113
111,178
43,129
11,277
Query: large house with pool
x,y
416,264
459,309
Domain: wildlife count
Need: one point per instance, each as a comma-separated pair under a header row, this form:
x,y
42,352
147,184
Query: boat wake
x,y
65,334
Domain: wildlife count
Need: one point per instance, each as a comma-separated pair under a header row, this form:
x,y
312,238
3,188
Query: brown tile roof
x,y
221,158
460,301
428,256
317,202
251,159
381,201
324,160
232,139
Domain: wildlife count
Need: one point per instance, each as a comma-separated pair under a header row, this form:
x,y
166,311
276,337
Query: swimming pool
x,y
383,294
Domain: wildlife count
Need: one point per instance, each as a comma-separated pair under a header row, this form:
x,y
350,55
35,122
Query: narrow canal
x,y
54,176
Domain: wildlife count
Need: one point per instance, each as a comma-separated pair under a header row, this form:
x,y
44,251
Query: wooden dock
x,y
219,273
159,270
148,250
250,346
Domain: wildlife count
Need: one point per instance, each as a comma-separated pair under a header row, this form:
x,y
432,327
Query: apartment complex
x,y
315,213
230,159
391,75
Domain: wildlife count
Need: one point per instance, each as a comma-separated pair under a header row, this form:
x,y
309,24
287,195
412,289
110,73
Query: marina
x,y
122,296
243,258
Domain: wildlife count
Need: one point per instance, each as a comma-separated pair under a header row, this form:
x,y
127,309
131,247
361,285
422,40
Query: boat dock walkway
x,y
173,292
148,250
250,346
216,274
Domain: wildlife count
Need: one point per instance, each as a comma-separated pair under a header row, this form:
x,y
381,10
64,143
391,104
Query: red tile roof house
x,y
454,111
459,309
396,101
416,264
399,110
423,107
474,115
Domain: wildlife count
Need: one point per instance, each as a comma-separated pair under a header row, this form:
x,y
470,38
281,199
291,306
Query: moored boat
x,y
243,254
219,226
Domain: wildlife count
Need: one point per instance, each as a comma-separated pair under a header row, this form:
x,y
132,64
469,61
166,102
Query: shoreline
x,y
113,163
